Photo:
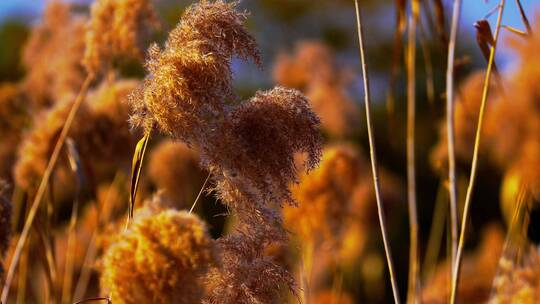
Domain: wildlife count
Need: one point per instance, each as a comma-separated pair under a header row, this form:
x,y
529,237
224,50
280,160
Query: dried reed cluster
x,y
479,269
116,31
518,283
249,147
313,70
53,56
161,258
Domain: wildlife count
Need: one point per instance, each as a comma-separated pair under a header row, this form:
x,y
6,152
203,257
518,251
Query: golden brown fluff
x,y
244,274
190,79
313,70
38,143
254,147
116,31
174,168
159,259
513,123
467,108
518,283
477,273
324,196
53,54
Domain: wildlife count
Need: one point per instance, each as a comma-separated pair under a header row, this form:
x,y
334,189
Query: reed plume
x,y
116,31
159,259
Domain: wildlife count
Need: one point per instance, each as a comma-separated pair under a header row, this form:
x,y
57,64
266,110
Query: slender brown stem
x,y
452,187
373,154
43,185
203,187
474,166
413,287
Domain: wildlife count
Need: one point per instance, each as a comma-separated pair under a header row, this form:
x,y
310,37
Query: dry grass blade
x,y
43,186
401,24
485,40
75,164
136,169
450,128
524,18
474,166
373,155
441,21
435,233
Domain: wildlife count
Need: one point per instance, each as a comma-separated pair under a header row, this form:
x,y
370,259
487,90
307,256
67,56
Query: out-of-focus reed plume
x,y
116,31
467,106
174,168
518,283
333,297
313,70
190,79
159,259
478,272
513,124
53,54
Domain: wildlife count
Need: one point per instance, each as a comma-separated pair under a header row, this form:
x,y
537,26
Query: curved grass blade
x,y
136,169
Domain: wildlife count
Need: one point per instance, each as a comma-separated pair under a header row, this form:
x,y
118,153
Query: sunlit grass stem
x,y
474,166
373,154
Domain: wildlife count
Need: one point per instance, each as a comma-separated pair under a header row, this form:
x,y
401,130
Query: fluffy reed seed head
x,y
256,145
159,259
324,196
518,283
53,54
116,30
190,79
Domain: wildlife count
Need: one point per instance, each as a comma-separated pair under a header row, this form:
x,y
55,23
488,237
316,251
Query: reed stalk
x,y
373,156
474,166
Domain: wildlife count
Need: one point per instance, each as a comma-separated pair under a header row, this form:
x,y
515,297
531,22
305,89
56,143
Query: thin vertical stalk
x,y
373,155
452,186
474,166
43,185
414,284
524,18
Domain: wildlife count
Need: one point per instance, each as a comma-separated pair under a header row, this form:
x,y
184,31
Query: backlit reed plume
x,y
159,259
190,79
116,31
53,54
249,148
518,283
174,168
313,70
35,149
478,271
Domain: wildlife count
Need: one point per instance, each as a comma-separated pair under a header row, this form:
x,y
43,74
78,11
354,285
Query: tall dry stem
x,y
43,186
474,166
452,187
373,155
414,285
